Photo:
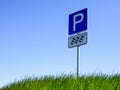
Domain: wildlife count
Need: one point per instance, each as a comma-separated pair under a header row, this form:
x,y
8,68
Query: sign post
x,y
77,24
78,61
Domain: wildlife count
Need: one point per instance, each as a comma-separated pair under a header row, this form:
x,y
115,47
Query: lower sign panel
x,y
77,40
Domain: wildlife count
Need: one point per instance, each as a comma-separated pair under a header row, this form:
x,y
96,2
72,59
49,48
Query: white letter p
x,y
79,21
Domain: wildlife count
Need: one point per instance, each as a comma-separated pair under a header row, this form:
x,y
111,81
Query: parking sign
x,y
78,21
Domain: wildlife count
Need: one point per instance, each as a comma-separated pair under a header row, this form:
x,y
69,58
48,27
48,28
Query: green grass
x,y
68,82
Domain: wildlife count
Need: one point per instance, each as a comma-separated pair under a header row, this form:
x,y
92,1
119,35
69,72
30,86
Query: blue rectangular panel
x,y
78,21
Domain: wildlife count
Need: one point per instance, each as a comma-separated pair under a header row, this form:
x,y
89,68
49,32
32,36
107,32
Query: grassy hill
x,y
65,82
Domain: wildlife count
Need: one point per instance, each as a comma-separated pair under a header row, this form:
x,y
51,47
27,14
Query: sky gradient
x,y
34,38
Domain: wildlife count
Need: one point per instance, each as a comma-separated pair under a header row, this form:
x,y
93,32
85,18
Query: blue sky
x,y
34,38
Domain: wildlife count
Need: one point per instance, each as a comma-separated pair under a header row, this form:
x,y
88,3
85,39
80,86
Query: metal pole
x,y
77,61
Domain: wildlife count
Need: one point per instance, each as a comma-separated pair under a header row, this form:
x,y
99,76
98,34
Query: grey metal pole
x,y
77,61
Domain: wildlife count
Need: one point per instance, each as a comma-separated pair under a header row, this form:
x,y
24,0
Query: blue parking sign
x,y
78,21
